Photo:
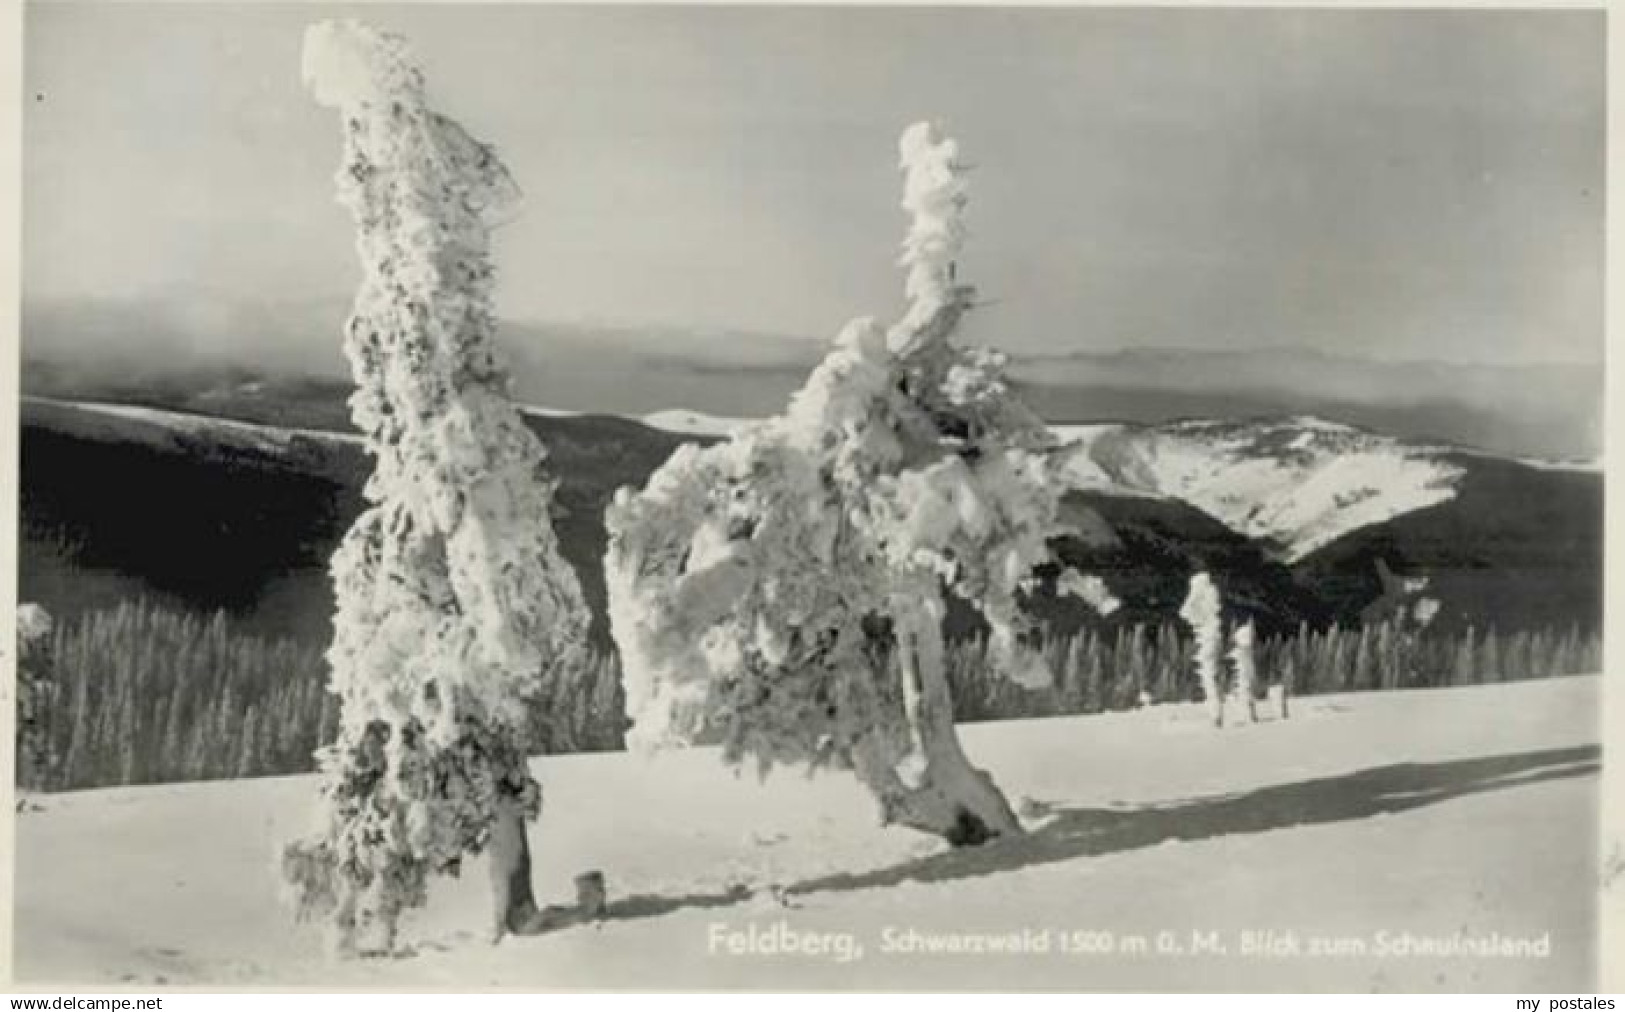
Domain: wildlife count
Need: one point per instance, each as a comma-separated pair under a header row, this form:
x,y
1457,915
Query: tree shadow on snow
x,y
1083,832
630,907
558,917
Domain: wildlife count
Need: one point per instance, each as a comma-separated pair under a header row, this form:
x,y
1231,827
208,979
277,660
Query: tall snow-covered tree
x,y
453,601
786,589
1202,611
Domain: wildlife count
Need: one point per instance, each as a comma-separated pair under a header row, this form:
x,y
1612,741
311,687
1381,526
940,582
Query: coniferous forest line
x,y
140,693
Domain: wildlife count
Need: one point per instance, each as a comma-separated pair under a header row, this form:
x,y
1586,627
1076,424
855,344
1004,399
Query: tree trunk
x,y
513,904
1278,699
933,787
1249,704
1212,696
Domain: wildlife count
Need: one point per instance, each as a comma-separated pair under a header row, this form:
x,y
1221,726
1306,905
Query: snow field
x,y
1429,813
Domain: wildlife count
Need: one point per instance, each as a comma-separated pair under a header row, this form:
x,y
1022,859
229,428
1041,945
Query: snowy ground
x,y
1434,813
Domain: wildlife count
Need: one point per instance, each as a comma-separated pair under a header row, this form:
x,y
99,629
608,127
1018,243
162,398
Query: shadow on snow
x,y
1087,832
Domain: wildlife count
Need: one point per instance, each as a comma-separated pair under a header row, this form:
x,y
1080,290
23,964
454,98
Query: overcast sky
x,y
1395,184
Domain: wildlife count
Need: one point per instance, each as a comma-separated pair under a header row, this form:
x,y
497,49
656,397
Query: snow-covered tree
x,y
786,589
1245,665
1202,611
36,689
452,599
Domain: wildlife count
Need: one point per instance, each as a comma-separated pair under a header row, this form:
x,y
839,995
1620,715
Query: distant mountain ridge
x,y
1293,515
116,351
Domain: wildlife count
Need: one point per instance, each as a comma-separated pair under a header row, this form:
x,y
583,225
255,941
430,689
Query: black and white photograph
x,y
824,498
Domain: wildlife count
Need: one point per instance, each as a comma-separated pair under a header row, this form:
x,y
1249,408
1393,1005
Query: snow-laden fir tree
x,y
1244,663
786,589
36,690
1203,612
452,599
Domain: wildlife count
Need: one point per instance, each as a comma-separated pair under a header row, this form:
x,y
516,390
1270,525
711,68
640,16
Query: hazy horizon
x,y
189,325
1390,185
1544,410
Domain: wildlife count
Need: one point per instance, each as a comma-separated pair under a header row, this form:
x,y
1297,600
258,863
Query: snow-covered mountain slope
x,y
265,437
220,513
1424,814
162,431
1517,545
121,420
1295,483
694,423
